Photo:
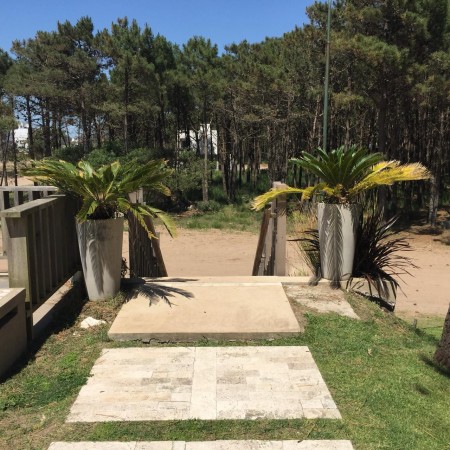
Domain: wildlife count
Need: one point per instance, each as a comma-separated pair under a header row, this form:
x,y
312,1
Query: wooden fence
x,y
270,258
42,248
145,253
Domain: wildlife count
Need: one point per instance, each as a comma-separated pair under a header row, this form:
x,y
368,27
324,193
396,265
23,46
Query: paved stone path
x,y
211,445
209,383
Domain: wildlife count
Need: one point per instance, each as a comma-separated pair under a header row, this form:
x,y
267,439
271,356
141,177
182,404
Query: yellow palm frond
x,y
390,172
263,199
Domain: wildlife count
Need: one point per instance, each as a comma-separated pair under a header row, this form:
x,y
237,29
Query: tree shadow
x,y
434,365
152,290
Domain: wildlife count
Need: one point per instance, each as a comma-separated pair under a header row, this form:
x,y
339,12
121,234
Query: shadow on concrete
x,y
152,290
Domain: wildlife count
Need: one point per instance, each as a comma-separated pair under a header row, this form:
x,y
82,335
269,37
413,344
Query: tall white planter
x,y
100,243
338,226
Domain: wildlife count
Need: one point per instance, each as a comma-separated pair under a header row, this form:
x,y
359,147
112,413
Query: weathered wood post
x,y
270,258
279,240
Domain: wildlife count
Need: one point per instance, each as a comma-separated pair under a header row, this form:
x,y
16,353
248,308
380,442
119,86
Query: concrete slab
x,y
209,307
208,383
210,445
320,298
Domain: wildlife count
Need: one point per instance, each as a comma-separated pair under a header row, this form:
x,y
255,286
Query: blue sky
x,y
223,21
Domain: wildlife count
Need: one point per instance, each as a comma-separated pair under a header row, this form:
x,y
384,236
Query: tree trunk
x,y
30,128
442,355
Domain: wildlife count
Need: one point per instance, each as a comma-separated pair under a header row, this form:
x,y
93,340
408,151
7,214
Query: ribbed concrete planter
x,y
337,238
100,243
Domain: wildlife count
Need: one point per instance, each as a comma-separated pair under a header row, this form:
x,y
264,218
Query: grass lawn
x,y
229,217
378,370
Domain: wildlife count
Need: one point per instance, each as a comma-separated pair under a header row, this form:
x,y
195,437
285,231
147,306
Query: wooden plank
x,y
19,263
52,243
4,204
261,240
33,242
162,271
279,268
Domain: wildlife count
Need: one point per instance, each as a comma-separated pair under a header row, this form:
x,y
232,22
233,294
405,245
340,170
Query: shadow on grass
x,y
434,365
153,291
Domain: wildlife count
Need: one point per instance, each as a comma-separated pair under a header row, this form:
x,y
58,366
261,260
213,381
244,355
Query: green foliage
x,y
346,174
71,154
228,217
100,157
104,192
209,206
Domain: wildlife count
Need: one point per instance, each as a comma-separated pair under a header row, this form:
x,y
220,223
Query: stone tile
x,y
96,446
209,445
213,383
320,298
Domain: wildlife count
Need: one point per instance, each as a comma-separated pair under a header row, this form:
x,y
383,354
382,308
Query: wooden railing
x,y
270,258
42,248
18,195
146,259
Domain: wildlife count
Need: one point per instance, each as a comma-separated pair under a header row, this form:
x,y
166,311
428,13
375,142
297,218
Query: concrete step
x,y
188,309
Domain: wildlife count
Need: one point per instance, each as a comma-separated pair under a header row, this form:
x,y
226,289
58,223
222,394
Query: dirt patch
x,y
215,252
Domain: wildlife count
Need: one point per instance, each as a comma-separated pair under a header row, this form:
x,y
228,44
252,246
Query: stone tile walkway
x,y
210,445
209,383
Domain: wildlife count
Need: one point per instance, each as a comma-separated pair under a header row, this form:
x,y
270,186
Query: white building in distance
x,y
21,136
185,141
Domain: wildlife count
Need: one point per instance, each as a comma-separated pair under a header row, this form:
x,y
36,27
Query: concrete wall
x,y
13,330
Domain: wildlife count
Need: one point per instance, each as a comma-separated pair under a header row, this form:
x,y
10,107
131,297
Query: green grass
x,y
229,217
378,370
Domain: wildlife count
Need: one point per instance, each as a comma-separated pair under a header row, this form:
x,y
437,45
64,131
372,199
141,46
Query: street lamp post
x,y
327,76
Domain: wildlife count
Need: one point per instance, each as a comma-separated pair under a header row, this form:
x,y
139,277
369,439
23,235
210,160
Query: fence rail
x,y
42,248
270,258
11,196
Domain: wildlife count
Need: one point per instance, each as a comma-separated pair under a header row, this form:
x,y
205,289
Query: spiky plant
x,y
378,254
104,192
345,174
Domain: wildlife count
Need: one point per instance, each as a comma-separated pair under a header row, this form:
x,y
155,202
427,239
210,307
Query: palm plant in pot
x,y
104,195
344,176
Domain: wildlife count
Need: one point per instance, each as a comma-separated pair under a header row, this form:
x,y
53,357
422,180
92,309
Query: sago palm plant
x,y
104,192
345,174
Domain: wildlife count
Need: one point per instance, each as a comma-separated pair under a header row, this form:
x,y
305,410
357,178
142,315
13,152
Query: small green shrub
x,y
70,154
209,206
100,157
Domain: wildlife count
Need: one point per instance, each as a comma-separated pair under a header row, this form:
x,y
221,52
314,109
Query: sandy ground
x,y
213,252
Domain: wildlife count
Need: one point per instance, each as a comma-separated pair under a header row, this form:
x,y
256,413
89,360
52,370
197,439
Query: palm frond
x,y
388,173
104,192
262,200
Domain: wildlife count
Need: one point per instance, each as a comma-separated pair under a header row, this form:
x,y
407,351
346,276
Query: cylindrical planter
x,y
100,243
338,226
